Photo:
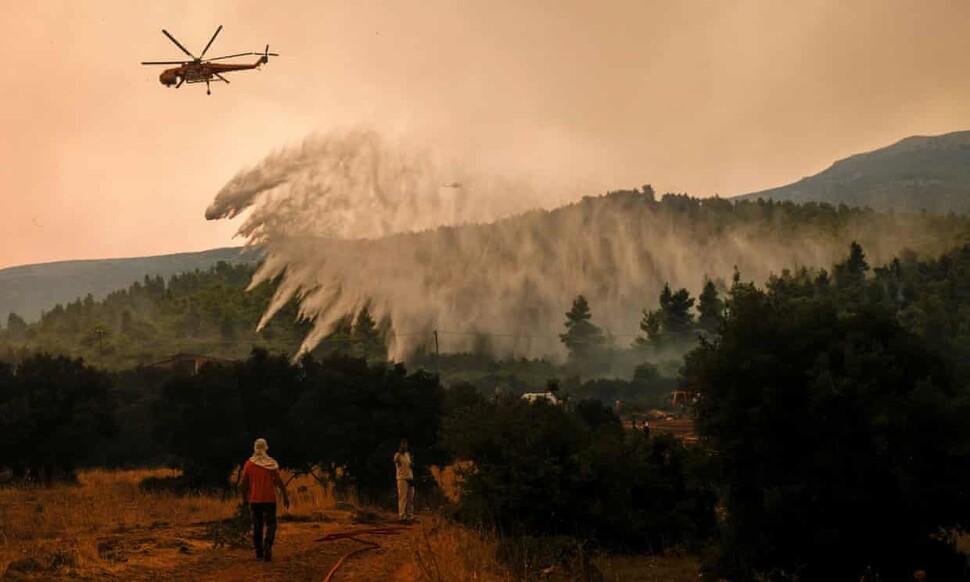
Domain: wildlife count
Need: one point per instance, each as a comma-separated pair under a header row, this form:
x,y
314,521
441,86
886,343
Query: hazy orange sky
x,y
100,160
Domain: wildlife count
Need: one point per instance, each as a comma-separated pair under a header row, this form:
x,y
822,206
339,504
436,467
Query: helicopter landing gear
x,y
207,90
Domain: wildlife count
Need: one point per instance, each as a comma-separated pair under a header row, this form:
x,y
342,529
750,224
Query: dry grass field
x,y
108,528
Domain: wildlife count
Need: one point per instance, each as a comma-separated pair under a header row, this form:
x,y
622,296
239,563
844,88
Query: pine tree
x,y
583,339
650,325
673,321
852,271
675,317
710,308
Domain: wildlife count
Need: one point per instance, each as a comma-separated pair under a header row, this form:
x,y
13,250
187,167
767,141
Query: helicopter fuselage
x,y
202,72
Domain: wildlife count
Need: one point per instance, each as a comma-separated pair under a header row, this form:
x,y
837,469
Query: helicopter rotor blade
x,y
210,41
230,56
163,62
178,44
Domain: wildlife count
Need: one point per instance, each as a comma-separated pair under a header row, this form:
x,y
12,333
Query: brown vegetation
x,y
62,528
108,526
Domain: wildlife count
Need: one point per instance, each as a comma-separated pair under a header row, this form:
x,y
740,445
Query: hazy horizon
x,y
102,161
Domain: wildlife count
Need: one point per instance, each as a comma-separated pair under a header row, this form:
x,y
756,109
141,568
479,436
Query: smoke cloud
x,y
353,218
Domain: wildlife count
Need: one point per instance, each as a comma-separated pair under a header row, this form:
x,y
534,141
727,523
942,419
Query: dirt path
x,y
160,552
298,554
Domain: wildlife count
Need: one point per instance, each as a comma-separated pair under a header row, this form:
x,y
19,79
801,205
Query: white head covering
x,y
261,458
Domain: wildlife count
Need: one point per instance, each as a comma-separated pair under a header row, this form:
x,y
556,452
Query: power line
x,y
523,335
431,335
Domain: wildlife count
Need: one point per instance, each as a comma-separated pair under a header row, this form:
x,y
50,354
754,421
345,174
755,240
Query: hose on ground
x,y
352,535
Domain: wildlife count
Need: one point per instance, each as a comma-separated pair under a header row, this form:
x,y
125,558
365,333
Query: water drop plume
x,y
359,183
354,218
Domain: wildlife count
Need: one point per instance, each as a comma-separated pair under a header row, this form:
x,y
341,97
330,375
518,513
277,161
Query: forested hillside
x,y
210,313
202,312
29,289
205,312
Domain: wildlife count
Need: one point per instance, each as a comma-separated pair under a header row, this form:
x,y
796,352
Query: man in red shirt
x,y
260,480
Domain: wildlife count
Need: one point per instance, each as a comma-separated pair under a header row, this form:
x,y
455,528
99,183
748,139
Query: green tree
x,y
710,308
584,340
676,318
650,325
350,417
201,420
852,271
672,323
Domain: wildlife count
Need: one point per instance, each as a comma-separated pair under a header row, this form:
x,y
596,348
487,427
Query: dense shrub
x,y
541,470
54,412
351,416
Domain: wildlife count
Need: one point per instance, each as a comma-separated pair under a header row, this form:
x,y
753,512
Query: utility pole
x,y
437,355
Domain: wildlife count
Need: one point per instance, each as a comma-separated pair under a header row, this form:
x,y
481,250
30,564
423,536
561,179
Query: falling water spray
x,y
354,218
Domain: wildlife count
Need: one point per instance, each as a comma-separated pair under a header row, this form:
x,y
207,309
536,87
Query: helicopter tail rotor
x,y
267,55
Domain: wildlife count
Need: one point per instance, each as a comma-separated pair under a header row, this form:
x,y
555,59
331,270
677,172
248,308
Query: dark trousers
x,y
263,514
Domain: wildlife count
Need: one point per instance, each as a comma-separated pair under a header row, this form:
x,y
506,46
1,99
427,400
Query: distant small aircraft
x,y
451,185
200,70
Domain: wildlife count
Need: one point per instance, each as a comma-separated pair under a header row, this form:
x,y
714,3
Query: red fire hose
x,y
352,535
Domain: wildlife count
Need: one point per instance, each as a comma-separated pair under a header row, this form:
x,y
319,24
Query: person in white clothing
x,y
403,462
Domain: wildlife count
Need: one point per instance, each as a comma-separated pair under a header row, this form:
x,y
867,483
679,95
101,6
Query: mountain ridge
x,y
916,173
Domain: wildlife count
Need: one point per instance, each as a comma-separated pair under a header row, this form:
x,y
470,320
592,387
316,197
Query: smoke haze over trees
x,y
454,258
499,289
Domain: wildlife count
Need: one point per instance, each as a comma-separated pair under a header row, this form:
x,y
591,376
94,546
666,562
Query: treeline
x,y
211,313
639,375
666,332
202,312
206,312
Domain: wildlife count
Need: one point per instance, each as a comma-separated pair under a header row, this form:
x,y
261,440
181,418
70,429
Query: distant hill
x,y
28,289
915,174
